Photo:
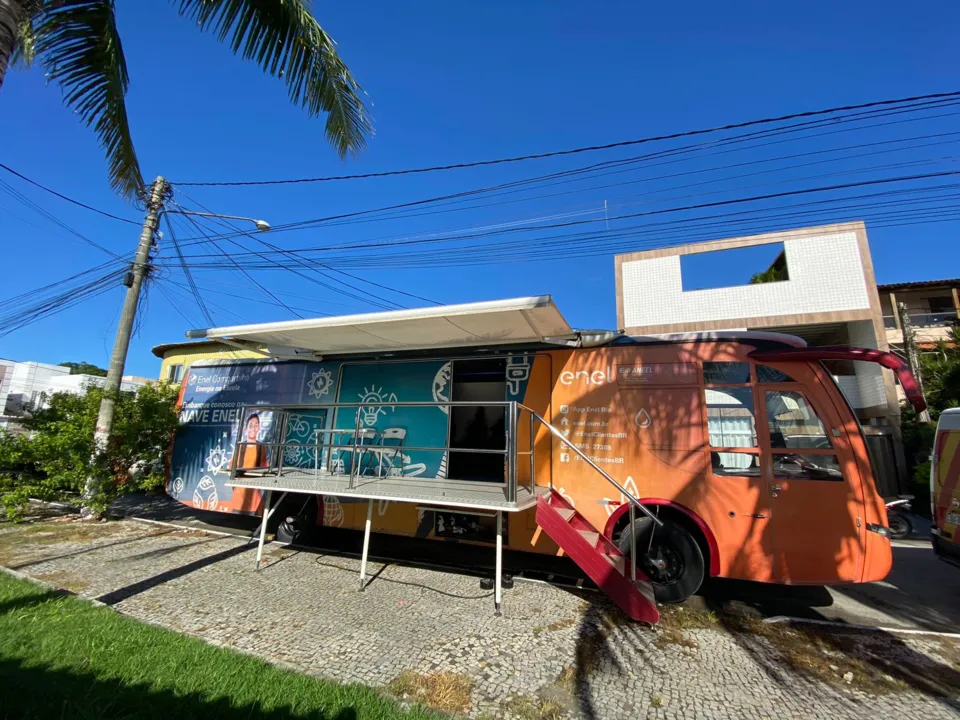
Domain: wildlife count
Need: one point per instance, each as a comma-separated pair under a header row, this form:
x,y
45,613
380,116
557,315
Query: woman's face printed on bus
x,y
253,428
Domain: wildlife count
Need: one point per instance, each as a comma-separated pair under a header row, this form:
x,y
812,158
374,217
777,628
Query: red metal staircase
x,y
597,556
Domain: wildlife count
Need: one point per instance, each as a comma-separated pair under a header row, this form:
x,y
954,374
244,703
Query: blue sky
x,y
448,82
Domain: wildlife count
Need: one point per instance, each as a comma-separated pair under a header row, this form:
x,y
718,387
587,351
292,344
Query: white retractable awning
x,y
498,322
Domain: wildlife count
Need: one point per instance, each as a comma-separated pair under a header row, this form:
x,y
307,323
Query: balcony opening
x,y
754,265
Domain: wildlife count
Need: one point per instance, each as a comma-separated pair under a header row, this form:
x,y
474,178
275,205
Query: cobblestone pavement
x,y
552,651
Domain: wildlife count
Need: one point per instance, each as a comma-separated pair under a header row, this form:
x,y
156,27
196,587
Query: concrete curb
x,y
50,586
175,526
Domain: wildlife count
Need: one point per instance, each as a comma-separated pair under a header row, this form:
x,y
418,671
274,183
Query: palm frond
x,y
77,41
25,48
286,41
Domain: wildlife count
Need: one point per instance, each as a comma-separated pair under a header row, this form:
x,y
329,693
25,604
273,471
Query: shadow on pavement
x,y
920,591
41,692
121,594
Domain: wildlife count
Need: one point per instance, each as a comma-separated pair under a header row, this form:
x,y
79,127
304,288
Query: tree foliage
x,y
79,45
940,372
84,368
52,458
771,274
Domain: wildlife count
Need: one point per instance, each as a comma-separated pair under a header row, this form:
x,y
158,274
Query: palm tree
x,y
78,43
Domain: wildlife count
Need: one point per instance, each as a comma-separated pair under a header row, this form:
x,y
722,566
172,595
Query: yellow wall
x,y
188,355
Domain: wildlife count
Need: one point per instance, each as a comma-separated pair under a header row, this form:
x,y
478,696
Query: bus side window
x,y
795,426
767,374
731,420
793,422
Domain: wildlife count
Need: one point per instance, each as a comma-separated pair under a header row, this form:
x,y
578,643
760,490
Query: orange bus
x,y
735,454
945,487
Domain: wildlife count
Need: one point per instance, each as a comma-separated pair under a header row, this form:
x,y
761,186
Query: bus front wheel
x,y
671,558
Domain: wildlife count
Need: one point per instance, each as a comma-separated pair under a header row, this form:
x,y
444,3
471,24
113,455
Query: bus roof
x,y
498,322
529,321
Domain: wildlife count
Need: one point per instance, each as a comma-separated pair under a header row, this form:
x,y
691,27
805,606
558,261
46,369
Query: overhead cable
x,y
589,148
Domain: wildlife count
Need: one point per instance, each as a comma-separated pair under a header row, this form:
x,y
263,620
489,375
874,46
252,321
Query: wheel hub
x,y
663,564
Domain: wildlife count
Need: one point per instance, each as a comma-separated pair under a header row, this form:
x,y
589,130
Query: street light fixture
x,y
262,225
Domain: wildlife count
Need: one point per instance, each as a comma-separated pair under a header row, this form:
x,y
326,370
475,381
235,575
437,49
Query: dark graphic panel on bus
x,y
210,417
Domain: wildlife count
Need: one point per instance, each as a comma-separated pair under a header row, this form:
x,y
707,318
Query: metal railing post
x,y
533,459
633,544
512,452
282,448
354,464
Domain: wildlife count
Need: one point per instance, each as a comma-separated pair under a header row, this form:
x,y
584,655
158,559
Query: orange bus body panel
x,y
724,452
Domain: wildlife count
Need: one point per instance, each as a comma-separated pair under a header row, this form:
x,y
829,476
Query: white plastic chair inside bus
x,y
390,452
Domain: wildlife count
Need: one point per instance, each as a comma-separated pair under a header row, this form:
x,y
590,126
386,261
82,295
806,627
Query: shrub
x,y
52,459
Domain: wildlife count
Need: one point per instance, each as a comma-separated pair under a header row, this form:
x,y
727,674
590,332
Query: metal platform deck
x,y
437,492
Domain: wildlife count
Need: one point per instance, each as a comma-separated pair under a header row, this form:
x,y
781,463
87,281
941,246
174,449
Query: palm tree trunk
x,y
11,15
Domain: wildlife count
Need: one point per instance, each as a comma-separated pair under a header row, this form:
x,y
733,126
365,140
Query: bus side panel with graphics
x,y
945,487
758,462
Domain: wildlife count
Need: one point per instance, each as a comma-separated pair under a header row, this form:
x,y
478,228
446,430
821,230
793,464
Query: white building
x,y
816,283
27,385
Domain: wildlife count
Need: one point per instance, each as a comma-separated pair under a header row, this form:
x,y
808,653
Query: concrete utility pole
x,y
118,359
913,358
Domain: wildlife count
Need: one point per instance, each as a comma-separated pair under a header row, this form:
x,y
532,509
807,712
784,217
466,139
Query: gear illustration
x,y
320,383
216,459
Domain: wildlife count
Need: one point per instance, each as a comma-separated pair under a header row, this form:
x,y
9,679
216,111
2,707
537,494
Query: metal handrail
x,y
385,403
377,448
356,446
592,464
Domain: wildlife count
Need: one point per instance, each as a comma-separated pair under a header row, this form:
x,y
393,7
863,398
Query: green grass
x,y
61,657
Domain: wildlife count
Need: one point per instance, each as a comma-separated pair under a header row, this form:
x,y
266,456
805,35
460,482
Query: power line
x,y
17,195
240,269
468,232
646,213
512,186
68,199
300,263
341,272
601,241
186,272
35,305
590,148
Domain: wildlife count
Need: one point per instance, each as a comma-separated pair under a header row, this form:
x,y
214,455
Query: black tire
x,y
674,564
900,526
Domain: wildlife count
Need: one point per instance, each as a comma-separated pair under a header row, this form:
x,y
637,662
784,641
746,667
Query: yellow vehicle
x,y
945,488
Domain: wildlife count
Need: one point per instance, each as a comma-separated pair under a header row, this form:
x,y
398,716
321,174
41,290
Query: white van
x,y
945,488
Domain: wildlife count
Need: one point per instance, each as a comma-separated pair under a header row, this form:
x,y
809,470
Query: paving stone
x,y
303,610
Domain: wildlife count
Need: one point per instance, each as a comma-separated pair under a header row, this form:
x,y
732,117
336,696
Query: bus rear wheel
x,y
672,559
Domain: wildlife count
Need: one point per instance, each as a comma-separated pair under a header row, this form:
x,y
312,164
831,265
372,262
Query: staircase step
x,y
566,513
645,588
618,562
598,558
590,536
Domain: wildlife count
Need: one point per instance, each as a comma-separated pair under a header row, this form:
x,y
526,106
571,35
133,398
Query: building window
x,y
941,304
175,373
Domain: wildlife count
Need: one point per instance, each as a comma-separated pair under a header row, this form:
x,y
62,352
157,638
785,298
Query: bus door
x,y
812,478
